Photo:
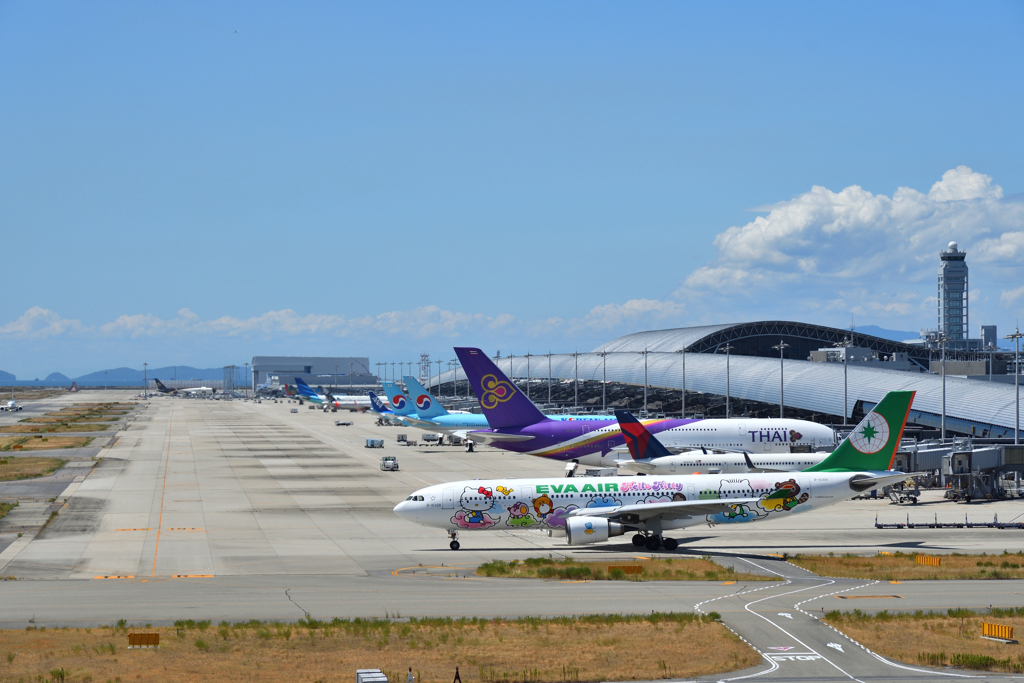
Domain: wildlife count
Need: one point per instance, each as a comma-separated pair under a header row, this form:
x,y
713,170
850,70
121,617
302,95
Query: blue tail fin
x,y
503,404
426,405
376,404
641,443
304,389
400,404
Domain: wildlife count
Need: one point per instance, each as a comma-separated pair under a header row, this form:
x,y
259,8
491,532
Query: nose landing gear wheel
x,y
454,545
653,543
670,544
639,540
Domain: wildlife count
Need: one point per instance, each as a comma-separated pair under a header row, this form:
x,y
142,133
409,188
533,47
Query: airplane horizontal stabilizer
x,y
493,437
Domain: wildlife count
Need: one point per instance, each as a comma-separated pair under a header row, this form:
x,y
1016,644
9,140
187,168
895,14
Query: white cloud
x,y
1010,296
610,316
39,322
825,245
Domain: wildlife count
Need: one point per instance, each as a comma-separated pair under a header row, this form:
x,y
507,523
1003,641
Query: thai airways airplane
x,y
516,424
594,511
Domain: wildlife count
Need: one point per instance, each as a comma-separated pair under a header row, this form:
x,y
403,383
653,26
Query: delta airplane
x,y
516,424
593,511
650,456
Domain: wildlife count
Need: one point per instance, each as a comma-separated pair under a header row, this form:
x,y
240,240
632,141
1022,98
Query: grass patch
x,y
42,442
53,429
7,507
904,567
669,569
30,393
950,638
28,468
486,651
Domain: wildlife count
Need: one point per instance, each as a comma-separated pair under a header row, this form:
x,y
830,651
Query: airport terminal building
x,y
743,360
339,371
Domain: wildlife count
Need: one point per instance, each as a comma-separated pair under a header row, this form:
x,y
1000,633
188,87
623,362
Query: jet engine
x,y
584,530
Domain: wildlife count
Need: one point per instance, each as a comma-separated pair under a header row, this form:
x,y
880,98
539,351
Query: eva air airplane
x,y
592,511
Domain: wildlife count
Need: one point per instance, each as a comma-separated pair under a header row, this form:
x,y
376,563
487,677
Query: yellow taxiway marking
x,y
191,576
116,576
894,582
867,597
774,555
728,583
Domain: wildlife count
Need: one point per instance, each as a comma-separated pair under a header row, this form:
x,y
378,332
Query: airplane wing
x,y
880,479
674,450
492,437
634,466
631,514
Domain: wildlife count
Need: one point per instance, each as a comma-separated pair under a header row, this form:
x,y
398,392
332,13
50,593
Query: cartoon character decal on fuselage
x,y
483,507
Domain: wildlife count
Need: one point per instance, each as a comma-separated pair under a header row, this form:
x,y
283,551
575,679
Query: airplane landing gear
x,y
670,544
639,540
653,543
454,535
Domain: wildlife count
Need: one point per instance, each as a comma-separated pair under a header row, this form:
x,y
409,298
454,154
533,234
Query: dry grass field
x,y
26,468
904,566
951,638
53,429
42,443
7,507
486,651
669,569
31,393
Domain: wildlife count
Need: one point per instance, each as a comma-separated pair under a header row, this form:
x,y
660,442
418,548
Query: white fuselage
x,y
509,504
718,462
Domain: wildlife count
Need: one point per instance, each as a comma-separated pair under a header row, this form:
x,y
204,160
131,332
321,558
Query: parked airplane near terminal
x,y
163,389
594,509
516,424
650,456
329,399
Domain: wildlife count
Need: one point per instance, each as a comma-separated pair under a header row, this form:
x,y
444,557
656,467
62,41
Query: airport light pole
x,y
528,355
604,379
247,383
510,375
455,377
1016,382
781,346
392,370
549,377
682,411
576,380
439,379
145,381
943,340
349,376
728,406
644,354
845,346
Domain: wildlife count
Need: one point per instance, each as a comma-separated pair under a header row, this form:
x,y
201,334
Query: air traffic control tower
x,y
953,295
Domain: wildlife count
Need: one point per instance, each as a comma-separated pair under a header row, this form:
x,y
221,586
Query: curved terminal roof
x,y
816,387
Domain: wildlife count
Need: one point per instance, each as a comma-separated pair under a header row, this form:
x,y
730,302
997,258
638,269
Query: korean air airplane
x,y
517,425
593,509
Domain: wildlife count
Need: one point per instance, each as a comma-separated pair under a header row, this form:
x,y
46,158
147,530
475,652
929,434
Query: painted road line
x,y
868,597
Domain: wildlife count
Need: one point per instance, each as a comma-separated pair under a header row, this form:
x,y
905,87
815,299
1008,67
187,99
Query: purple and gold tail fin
x,y
641,443
503,404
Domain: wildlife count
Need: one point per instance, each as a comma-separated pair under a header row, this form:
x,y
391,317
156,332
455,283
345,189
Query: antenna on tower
x,y
424,366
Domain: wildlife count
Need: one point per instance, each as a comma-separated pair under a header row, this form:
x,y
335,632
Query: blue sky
x,y
196,183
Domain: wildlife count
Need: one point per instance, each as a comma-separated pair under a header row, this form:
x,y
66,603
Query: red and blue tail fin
x,y
641,443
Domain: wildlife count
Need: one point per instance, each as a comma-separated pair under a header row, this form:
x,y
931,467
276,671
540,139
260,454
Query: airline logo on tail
x,y
422,402
495,391
398,401
641,443
871,434
378,406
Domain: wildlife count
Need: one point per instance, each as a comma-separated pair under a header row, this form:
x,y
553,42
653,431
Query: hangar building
x,y
329,371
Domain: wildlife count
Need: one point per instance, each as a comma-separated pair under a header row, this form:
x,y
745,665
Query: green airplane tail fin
x,y
873,443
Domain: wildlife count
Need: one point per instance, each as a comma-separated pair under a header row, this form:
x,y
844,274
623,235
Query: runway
x,y
234,511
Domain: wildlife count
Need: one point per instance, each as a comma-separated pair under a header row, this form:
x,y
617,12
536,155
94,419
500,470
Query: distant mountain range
x,y
124,376
891,335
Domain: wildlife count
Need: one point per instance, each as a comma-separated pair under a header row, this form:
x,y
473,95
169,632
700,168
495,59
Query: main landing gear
x,y
454,535
654,542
